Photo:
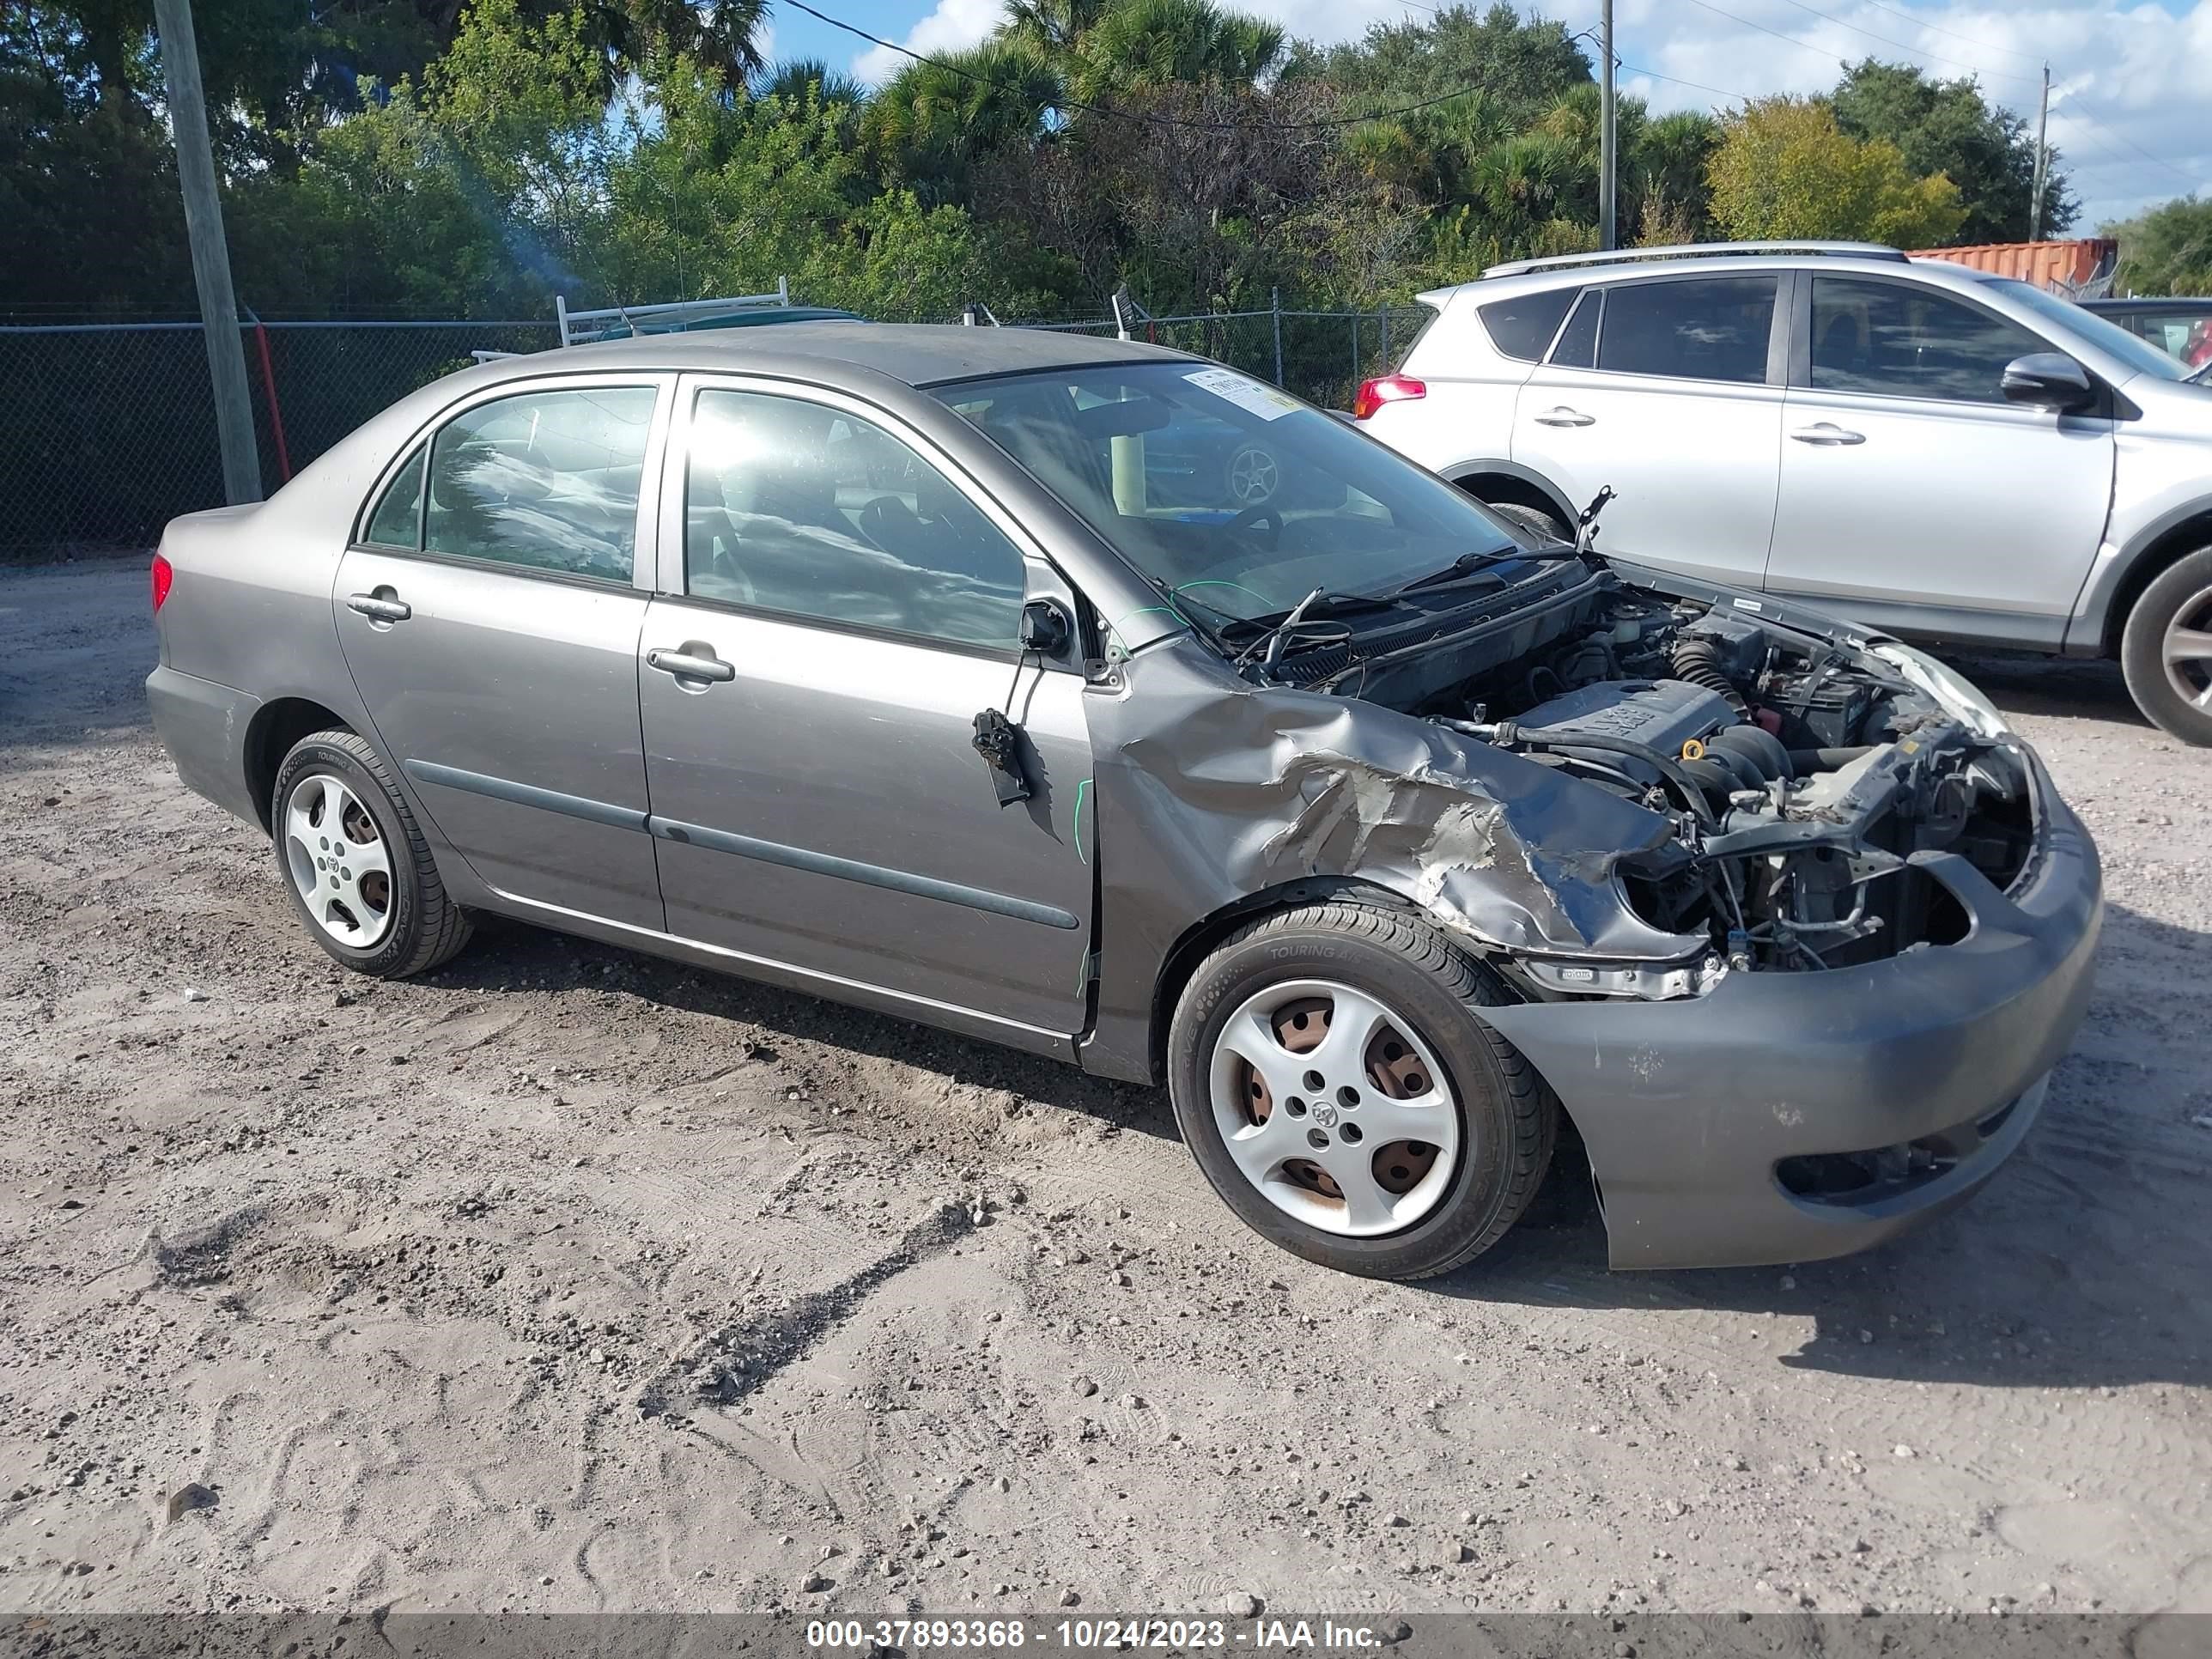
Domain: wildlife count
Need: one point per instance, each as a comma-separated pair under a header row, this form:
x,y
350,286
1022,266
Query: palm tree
x,y
795,78
1139,45
1051,28
931,121
721,33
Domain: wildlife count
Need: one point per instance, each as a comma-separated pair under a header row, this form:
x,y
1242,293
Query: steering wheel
x,y
1265,512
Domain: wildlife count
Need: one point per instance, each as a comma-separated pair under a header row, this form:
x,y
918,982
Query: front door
x,y
492,629
848,606
1669,390
1914,496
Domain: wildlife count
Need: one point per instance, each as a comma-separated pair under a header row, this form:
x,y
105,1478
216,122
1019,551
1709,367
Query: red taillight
x,y
162,577
1389,388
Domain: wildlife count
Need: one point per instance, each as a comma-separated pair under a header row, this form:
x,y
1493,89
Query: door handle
x,y
1827,432
381,607
1564,417
692,661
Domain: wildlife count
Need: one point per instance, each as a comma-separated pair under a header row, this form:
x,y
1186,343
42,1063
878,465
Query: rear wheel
x,y
1545,525
357,866
1330,1074
2167,650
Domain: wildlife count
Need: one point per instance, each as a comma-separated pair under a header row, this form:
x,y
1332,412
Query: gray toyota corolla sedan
x,y
966,674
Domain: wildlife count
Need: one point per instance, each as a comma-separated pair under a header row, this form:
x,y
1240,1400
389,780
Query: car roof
x,y
1485,289
919,354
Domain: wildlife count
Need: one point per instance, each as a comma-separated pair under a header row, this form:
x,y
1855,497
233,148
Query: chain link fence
x,y
107,430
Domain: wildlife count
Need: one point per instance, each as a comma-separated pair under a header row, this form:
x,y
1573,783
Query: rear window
x,y
1524,325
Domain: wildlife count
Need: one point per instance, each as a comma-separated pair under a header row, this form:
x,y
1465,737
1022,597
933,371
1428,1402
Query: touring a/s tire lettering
x,y
354,862
1320,1147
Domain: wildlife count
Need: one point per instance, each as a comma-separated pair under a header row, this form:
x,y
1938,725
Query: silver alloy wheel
x,y
1253,476
1334,1108
2187,651
339,861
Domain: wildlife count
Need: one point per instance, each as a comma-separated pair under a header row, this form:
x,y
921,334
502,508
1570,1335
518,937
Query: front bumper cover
x,y
1690,1108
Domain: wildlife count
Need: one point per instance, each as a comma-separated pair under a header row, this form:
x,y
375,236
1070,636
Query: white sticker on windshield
x,y
1248,394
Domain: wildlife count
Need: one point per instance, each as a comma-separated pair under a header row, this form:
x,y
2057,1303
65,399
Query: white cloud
x,y
2131,81
954,25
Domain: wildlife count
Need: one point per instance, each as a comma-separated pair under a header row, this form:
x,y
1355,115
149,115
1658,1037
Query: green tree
x,y
1523,68
1783,168
2167,250
931,124
1949,127
1150,45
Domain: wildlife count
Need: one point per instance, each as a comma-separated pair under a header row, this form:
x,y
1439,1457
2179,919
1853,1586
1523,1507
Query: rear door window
x,y
1703,328
397,520
545,480
1577,342
1522,327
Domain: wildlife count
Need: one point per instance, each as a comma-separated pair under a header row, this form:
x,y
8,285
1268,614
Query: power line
x,y
1676,80
1937,29
2081,111
1886,40
1143,118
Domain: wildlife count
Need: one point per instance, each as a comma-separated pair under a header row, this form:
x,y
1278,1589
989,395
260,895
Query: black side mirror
x,y
1046,628
2048,380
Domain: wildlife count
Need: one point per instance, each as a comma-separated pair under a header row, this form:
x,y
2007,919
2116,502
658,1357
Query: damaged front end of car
x,y
1795,922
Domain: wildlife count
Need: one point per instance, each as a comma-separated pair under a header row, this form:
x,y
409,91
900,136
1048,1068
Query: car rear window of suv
x,y
1524,325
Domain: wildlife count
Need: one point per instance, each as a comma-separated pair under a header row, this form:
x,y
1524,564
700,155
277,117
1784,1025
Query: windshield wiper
x,y
1479,564
1278,629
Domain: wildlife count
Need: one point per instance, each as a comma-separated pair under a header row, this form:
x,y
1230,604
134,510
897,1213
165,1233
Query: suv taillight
x,y
1389,388
162,577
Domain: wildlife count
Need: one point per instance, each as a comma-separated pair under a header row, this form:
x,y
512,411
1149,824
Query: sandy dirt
x,y
568,1278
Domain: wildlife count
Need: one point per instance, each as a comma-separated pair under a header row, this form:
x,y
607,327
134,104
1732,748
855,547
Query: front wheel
x,y
1330,1074
2167,650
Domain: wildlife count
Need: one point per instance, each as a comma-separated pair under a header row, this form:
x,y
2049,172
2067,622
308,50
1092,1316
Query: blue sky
x,y
2131,83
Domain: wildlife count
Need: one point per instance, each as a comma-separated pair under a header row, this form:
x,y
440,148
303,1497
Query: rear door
x,y
838,605
1914,495
491,624
1668,389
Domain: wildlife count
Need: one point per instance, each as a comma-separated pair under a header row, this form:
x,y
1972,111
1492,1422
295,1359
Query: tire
x,y
418,925
1498,1118
2175,609
1544,525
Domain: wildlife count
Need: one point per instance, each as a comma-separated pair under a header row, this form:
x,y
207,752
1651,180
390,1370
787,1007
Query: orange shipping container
x,y
2047,264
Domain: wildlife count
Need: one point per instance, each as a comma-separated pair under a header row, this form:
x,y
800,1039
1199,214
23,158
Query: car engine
x,y
1803,770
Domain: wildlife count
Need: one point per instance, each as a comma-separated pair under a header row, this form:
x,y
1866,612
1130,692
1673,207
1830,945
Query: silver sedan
x,y
965,674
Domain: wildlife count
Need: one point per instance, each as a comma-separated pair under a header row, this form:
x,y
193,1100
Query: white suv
x,y
1940,453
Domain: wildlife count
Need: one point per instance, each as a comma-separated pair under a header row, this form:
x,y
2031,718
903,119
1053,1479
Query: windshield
x,y
1223,489
2100,331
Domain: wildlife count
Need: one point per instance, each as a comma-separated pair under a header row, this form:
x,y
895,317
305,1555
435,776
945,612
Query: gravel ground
x,y
322,1293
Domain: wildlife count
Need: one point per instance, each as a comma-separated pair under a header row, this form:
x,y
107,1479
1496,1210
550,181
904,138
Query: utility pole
x,y
2042,160
1606,240
233,406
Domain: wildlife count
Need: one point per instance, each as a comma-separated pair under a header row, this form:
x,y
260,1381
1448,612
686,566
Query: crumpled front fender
x,y
1209,789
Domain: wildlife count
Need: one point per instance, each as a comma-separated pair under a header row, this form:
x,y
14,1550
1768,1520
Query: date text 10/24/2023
x,y
1082,1635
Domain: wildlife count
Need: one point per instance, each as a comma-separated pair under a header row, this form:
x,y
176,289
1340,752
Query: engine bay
x,y
1802,769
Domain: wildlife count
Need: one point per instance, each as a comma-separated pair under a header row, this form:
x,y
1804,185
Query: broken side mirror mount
x,y
1046,628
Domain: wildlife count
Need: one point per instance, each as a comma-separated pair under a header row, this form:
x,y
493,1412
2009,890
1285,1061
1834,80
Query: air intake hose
x,y
1698,661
